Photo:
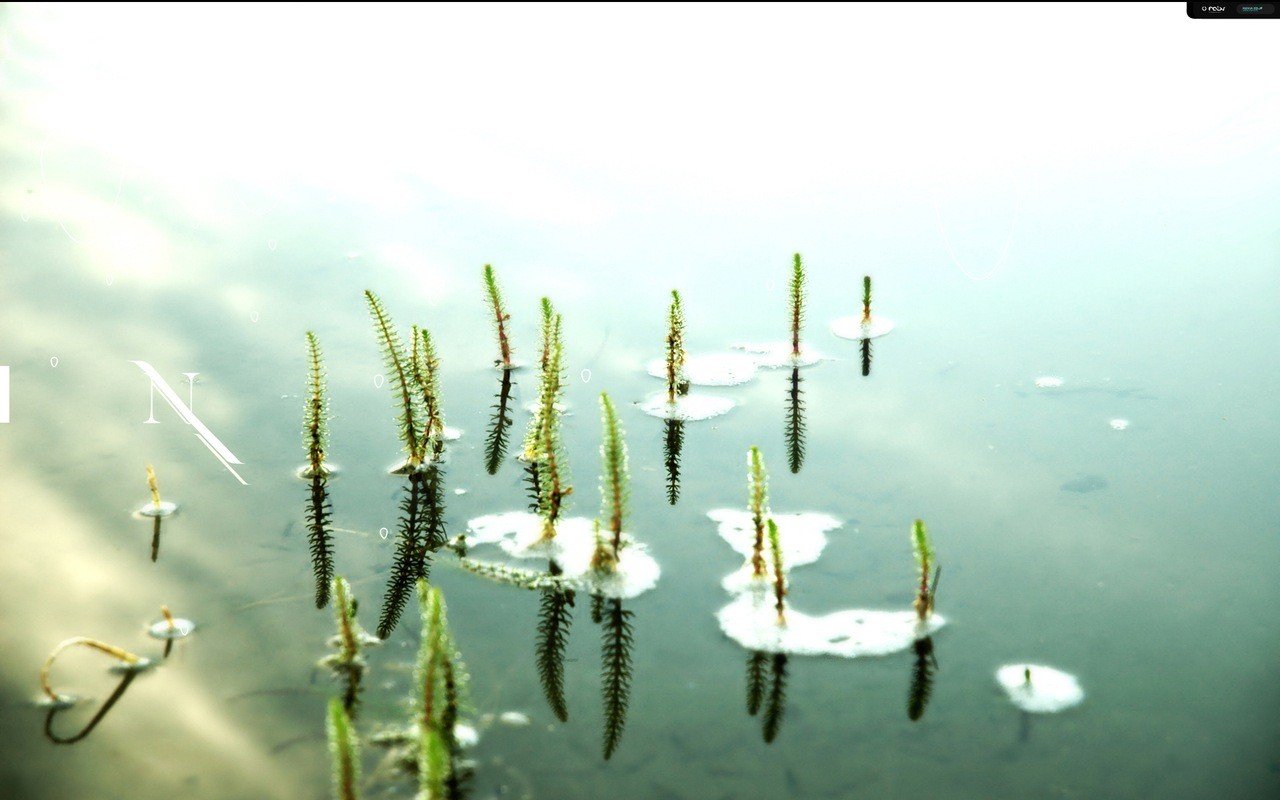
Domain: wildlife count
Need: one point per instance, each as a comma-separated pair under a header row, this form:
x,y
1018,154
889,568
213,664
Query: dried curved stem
x,y
118,653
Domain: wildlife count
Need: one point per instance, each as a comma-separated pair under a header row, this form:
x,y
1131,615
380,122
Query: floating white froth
x,y
1119,424
688,408
803,537
1049,690
855,328
751,621
778,355
163,509
519,535
713,369
179,629
1048,382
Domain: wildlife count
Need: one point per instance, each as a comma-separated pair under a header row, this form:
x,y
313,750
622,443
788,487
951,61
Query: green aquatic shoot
x,y
426,377
925,561
549,459
347,663
779,574
675,347
532,437
866,299
344,753
316,411
797,303
440,682
400,378
757,502
500,316
614,482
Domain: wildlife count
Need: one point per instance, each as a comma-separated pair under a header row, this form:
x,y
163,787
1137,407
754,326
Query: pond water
x,y
1139,558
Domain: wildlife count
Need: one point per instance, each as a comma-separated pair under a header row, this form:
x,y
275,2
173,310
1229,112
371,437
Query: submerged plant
x,y
923,550
793,433
344,753
495,446
797,303
421,533
675,356
779,575
400,378
500,316
672,445
757,660
129,661
440,680
866,299
757,503
347,662
315,425
615,672
614,480
866,357
921,678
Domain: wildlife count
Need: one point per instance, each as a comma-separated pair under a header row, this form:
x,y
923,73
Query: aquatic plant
x,y
554,621
672,445
923,550
797,303
129,661
426,378
440,680
757,503
398,368
500,316
552,468
530,579
866,299
98,716
1039,689
779,575
866,356
793,432
319,514
155,539
614,480
412,544
344,753
921,678
617,639
315,424
675,356
156,508
495,443
347,663
776,702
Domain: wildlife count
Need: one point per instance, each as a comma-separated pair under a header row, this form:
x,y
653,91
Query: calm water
x,y
1142,560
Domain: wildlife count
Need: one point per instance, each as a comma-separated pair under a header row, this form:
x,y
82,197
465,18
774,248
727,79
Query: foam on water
x,y
712,369
803,537
687,408
1050,690
164,509
777,355
519,535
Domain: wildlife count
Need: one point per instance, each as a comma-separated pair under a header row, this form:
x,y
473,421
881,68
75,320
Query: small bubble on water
x,y
586,376
253,316
383,532
53,362
378,381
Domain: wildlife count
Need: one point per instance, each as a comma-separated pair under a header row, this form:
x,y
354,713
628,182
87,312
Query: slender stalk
x,y
426,377
552,475
154,486
797,303
675,347
500,316
344,753
779,574
757,501
118,653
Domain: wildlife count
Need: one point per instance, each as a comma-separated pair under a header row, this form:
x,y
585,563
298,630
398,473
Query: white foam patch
x,y
803,537
854,328
533,405
688,408
752,621
1119,424
519,535
164,509
778,355
1048,382
1050,690
180,628
451,434
327,470
713,369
